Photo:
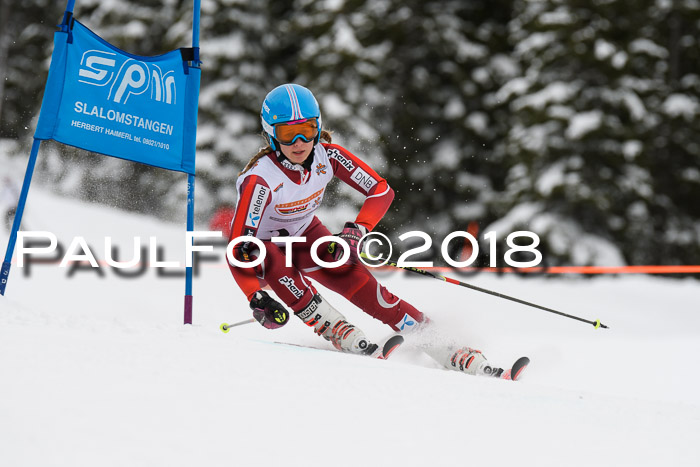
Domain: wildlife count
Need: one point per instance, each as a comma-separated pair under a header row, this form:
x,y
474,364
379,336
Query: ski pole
x,y
225,326
596,324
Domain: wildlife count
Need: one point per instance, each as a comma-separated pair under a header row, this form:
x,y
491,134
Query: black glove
x,y
268,311
243,251
352,233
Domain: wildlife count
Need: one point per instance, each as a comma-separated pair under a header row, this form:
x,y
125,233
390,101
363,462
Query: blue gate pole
x,y
69,11
5,271
195,27
188,269
190,177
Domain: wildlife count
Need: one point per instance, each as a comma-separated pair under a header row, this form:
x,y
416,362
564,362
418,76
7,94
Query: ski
x,y
380,353
389,346
516,370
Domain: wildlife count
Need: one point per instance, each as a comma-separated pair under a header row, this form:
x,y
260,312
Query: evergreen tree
x,y
672,153
246,51
583,150
25,34
574,119
404,83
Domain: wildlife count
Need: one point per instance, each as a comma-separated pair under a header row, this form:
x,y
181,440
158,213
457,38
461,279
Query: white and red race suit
x,y
277,198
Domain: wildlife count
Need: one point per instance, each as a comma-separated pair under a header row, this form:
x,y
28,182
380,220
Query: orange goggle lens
x,y
288,133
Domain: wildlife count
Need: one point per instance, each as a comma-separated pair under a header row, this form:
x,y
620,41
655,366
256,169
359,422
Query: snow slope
x,y
97,370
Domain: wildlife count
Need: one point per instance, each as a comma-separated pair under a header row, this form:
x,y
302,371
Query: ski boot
x,y
330,324
472,362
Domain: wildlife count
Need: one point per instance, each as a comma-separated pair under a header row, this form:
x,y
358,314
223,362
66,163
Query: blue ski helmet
x,y
288,103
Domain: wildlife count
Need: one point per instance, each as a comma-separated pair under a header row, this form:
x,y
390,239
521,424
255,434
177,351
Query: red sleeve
x,y
354,172
254,195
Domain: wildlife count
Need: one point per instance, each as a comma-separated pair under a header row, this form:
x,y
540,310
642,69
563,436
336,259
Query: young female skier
x,y
279,191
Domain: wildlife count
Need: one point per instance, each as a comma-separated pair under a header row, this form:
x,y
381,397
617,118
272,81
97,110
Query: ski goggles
x,y
288,133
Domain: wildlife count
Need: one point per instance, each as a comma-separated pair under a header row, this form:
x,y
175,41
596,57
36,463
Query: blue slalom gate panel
x,y
108,101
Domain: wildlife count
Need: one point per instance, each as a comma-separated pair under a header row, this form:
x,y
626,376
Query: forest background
x,y
574,119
